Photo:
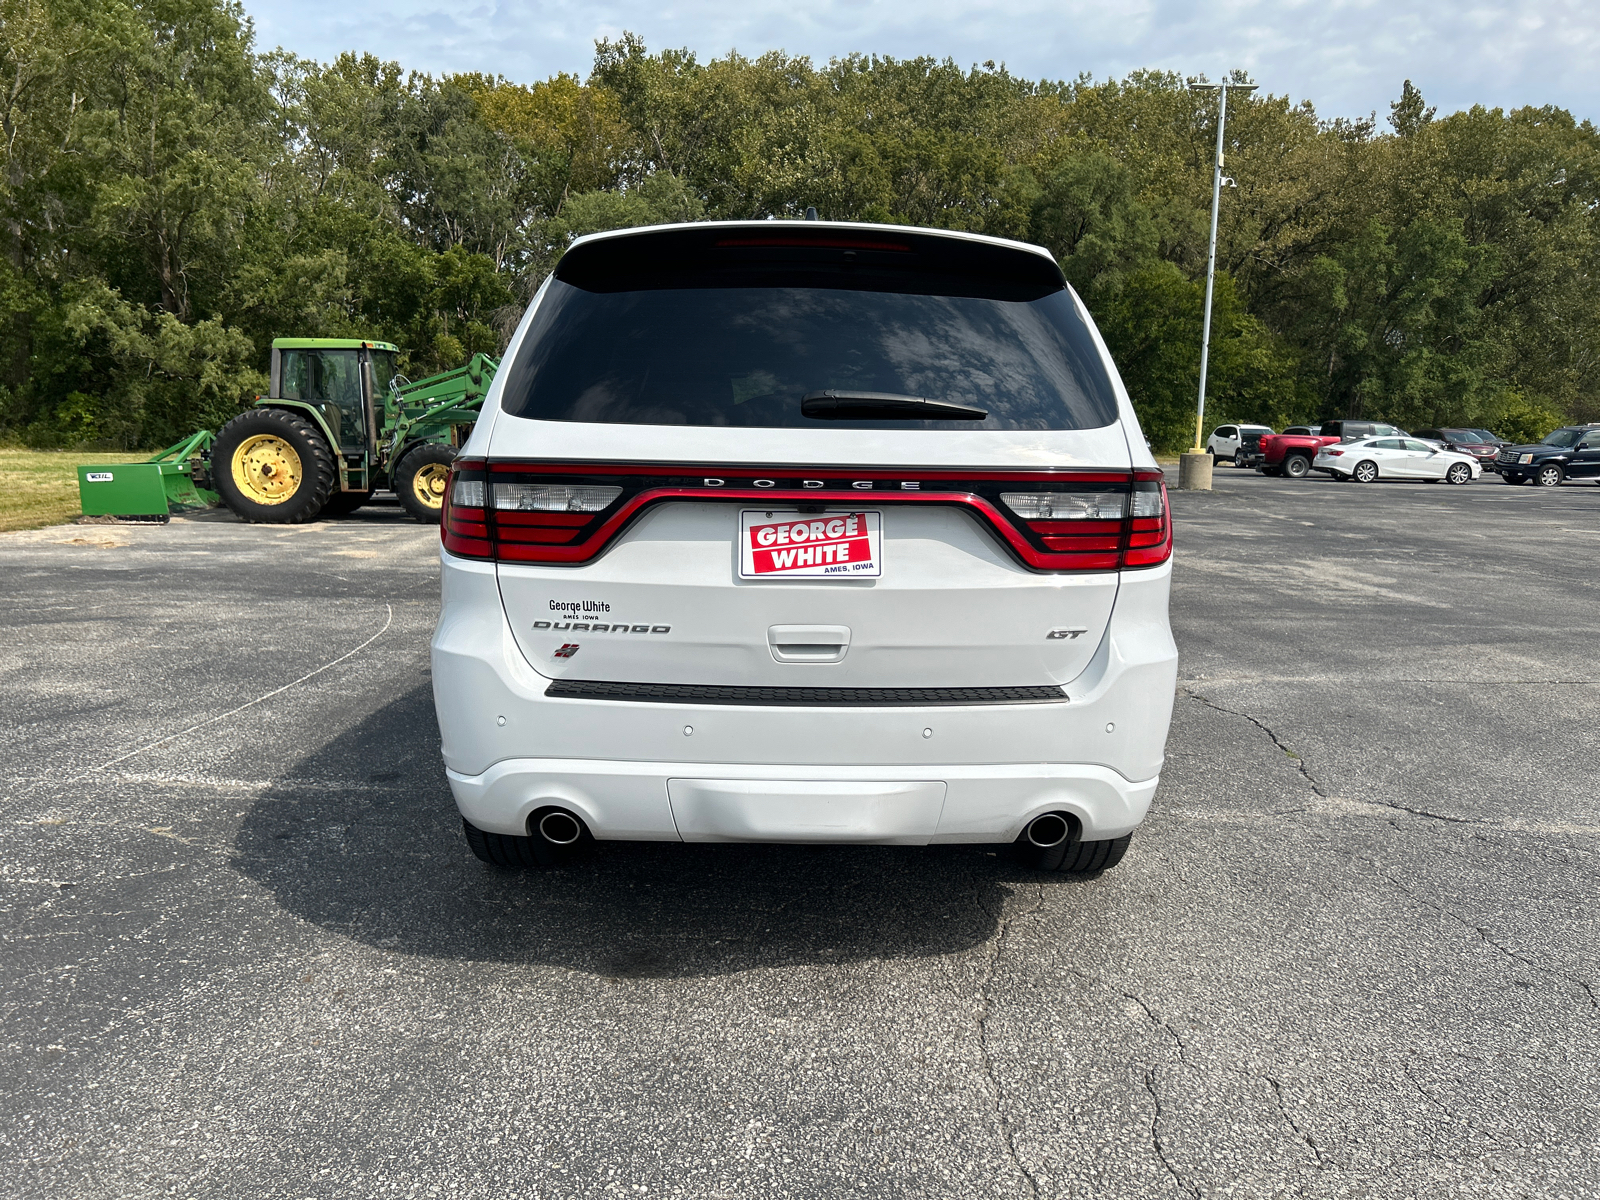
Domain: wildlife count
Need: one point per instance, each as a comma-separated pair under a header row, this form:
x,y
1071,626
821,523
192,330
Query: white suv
x,y
805,532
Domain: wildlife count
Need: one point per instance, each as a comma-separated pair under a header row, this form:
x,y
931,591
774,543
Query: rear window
x,y
747,355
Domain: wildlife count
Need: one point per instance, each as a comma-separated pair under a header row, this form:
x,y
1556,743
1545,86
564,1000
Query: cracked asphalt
x,y
1352,953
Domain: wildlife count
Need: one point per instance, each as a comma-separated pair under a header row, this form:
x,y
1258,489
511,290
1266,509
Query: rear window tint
x,y
747,355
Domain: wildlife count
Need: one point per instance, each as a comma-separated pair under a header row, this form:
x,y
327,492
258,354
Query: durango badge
x,y
600,627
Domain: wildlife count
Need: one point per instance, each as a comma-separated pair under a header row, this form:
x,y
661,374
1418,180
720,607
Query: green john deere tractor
x,y
339,423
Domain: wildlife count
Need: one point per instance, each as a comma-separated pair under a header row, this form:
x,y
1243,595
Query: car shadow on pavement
x,y
362,837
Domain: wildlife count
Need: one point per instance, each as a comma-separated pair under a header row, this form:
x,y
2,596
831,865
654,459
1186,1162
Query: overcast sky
x,y
1347,56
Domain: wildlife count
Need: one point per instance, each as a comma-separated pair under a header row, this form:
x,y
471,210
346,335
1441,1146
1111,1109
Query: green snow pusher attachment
x,y
172,481
340,422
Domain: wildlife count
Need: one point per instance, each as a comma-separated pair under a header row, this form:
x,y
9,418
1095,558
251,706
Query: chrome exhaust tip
x,y
560,828
1047,830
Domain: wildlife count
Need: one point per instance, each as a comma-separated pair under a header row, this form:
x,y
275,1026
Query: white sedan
x,y
1370,459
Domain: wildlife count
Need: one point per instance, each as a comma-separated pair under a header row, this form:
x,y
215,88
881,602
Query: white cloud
x,y
1347,56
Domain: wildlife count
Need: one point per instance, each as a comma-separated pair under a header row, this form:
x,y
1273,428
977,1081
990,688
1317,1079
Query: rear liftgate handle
x,y
808,643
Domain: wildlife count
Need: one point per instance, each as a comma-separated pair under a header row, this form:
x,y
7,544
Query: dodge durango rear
x,y
805,532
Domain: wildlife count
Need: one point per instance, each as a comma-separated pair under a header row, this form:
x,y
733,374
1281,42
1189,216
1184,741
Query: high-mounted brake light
x,y
809,242
568,513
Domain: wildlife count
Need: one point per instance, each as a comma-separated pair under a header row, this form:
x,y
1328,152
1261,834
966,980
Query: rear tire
x,y
420,478
531,853
272,467
1077,858
1086,858
1365,471
508,851
1297,466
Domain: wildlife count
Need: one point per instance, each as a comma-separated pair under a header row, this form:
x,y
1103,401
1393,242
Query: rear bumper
x,y
671,771
738,802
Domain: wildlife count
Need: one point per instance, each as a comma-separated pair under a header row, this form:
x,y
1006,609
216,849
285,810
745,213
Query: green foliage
x,y
171,200
1402,324
168,376
1516,419
1152,327
1088,214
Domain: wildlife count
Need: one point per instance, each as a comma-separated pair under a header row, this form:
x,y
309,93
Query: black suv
x,y
1572,452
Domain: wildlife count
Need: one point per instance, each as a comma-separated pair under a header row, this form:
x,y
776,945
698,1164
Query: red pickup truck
x,y
1290,453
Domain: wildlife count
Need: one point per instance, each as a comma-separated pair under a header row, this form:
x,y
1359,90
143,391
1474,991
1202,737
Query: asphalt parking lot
x,y
1352,954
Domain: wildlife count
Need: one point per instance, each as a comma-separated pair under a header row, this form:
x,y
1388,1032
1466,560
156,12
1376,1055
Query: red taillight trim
x,y
1062,545
464,531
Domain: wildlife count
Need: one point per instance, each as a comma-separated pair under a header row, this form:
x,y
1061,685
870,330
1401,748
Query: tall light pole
x,y
1222,90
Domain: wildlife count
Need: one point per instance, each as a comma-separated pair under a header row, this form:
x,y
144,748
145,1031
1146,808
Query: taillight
x,y
1099,530
567,513
1086,525
464,519
1333,453
1149,523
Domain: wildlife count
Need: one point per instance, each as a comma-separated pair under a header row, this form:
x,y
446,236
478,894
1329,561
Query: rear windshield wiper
x,y
834,405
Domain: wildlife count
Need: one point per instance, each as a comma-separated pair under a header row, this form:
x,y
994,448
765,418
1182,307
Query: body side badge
x,y
566,651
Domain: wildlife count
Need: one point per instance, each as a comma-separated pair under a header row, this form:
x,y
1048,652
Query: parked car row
x,y
1366,451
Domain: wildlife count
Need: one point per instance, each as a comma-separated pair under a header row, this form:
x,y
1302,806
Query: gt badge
x,y
1069,634
567,651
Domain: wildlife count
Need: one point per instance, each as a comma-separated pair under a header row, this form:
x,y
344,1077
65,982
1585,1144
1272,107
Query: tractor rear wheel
x,y
271,467
420,478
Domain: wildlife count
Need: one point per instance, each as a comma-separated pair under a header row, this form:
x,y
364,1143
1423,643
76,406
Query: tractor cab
x,y
345,382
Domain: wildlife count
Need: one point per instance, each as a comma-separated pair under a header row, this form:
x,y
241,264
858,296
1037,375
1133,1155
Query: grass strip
x,y
40,487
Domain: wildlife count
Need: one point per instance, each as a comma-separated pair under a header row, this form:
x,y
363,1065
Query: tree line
x,y
173,198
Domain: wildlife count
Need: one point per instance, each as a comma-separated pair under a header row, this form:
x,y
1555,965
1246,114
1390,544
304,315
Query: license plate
x,y
775,544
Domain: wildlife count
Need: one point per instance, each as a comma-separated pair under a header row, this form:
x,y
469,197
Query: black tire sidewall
x,y
1355,474
1289,466
1538,477
317,466
410,463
